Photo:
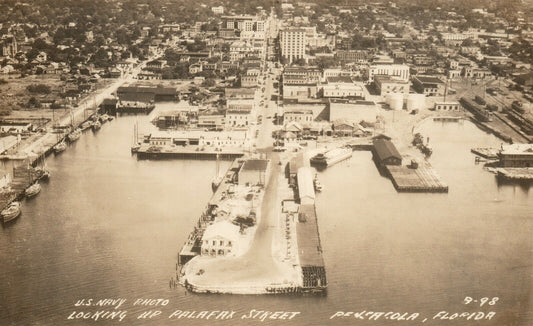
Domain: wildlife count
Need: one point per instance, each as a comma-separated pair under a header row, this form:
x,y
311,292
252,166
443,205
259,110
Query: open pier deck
x,y
421,179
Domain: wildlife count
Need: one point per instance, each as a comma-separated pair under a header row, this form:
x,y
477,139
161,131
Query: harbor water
x,y
109,226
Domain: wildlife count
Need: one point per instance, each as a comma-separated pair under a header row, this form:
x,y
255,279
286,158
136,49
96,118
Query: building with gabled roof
x,y
386,153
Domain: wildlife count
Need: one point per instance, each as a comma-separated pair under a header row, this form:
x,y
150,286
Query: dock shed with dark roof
x,y
310,250
386,153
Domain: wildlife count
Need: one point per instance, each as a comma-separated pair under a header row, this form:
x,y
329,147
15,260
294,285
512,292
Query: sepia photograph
x,y
266,162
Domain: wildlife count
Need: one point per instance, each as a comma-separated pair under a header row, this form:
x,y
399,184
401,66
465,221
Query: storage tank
x,y
395,101
416,102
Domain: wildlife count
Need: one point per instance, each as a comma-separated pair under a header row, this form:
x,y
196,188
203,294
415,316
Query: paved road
x,y
257,266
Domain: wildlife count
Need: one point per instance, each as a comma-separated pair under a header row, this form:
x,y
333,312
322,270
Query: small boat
x,y
60,147
86,125
33,190
75,135
96,125
110,118
104,118
11,212
42,174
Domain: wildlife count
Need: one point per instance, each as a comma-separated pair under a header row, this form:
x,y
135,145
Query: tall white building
x,y
292,43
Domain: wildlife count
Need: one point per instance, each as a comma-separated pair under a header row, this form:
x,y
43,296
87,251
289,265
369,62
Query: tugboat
x,y
11,212
75,135
60,147
33,190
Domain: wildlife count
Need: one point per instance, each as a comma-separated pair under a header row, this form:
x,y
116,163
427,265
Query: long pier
x,y
305,250
187,154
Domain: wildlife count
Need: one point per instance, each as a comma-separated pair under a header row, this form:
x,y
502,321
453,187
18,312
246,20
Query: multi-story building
x,y
249,80
394,70
301,75
342,87
238,117
428,85
292,43
298,115
388,85
220,239
352,56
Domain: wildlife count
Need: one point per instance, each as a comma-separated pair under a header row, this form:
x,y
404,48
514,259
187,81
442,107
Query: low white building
x,y
298,116
447,106
218,10
14,127
238,117
220,239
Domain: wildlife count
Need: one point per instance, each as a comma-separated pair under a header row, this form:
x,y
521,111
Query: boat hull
x,y
11,212
32,191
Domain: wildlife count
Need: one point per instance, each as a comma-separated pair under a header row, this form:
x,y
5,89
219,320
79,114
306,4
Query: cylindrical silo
x,y
395,101
416,102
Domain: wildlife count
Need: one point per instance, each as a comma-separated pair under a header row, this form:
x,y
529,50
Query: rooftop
x,y
340,79
385,149
429,80
222,229
517,149
309,248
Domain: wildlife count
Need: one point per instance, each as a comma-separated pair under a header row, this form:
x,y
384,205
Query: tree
x,y
34,103
209,82
467,42
39,89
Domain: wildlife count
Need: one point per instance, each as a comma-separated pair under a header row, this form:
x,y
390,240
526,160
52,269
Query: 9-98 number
x,y
481,301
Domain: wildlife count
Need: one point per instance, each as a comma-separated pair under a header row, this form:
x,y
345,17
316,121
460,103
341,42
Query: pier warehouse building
x,y
254,172
517,156
306,190
386,153
308,237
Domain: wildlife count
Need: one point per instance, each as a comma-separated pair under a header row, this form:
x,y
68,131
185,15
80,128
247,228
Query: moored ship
x,y
60,147
331,157
33,190
11,212
75,135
